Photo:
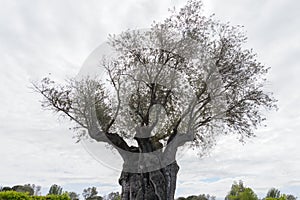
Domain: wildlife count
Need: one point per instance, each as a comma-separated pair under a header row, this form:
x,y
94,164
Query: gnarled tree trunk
x,y
149,170
155,185
154,177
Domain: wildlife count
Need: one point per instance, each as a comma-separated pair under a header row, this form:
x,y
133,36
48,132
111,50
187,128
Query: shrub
x,y
13,195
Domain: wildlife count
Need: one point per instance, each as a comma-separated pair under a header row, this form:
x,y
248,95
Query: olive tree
x,y
181,82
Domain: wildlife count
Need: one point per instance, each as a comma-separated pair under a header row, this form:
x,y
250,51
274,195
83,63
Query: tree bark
x,y
157,182
154,185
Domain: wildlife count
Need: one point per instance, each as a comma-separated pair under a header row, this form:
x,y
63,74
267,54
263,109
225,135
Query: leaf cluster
x,y
192,66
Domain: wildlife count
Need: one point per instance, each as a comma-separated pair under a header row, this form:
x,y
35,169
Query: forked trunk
x,y
149,170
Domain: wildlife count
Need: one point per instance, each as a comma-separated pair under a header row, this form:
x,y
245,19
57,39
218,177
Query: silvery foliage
x,y
189,72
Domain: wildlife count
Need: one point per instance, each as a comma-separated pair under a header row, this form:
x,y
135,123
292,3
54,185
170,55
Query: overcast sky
x,y
56,36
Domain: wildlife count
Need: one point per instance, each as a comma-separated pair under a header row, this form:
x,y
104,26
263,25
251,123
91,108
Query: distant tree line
x,y
199,197
33,192
56,192
239,192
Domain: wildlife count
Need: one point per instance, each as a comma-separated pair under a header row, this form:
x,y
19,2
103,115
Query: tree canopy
x,y
55,189
89,192
273,193
186,79
240,192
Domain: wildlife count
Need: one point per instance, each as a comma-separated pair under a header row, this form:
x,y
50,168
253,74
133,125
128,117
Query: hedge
x,y
13,195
